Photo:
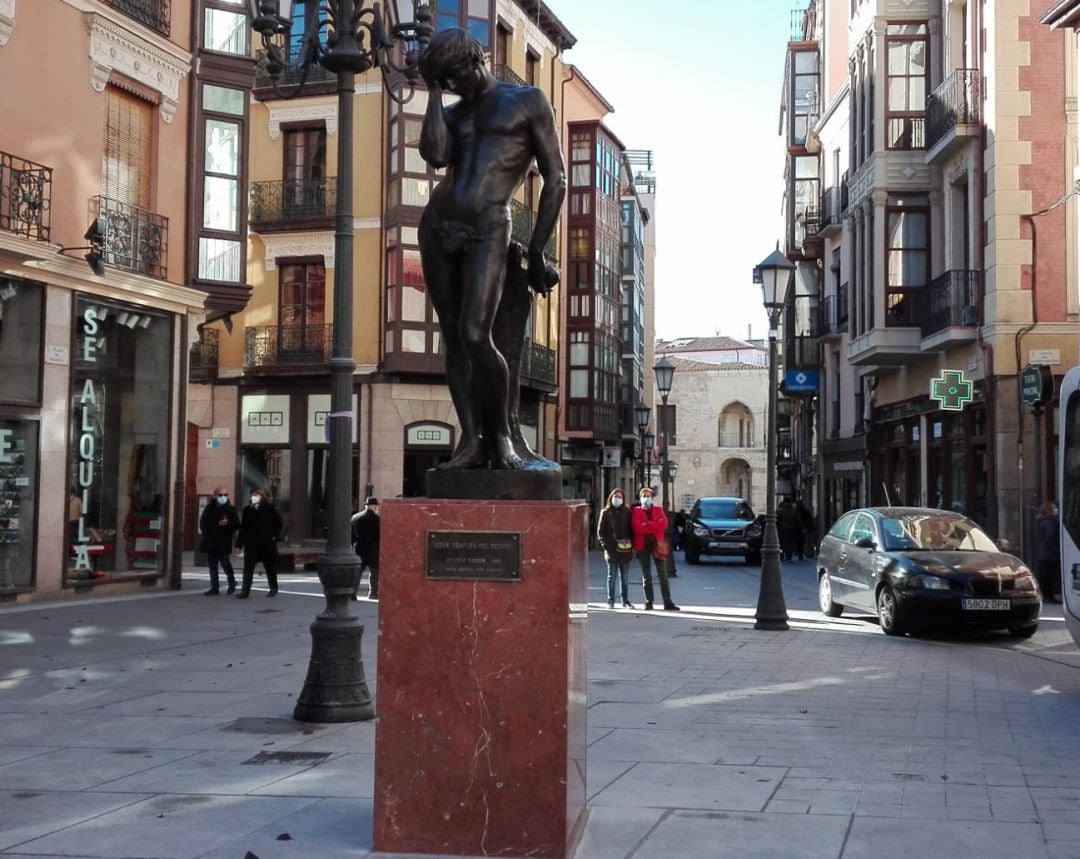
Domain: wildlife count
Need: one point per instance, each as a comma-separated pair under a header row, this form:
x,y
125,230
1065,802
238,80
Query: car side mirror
x,y
865,543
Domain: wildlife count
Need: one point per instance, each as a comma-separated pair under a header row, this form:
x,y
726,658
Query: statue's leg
x,y
442,276
484,273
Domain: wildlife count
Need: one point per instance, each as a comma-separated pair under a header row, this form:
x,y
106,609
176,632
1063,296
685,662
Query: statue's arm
x,y
547,150
435,147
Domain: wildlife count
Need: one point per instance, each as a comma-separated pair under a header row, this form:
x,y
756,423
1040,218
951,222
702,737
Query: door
x,y
302,334
833,556
191,473
305,172
417,464
859,565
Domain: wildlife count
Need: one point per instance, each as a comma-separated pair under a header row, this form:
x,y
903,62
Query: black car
x,y
722,526
919,567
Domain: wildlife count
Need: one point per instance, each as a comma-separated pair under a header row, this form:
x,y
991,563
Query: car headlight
x,y
930,583
700,531
1025,581
753,530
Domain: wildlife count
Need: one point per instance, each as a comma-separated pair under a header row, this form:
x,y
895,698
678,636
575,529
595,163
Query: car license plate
x,y
726,545
986,605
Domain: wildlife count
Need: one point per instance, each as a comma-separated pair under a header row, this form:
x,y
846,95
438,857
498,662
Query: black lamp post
x,y
777,272
673,471
665,376
347,40
650,443
641,415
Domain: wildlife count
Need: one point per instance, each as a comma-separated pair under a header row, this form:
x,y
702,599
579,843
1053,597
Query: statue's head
x,y
454,59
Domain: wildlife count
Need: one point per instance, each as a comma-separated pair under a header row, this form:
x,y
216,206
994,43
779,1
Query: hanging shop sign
x,y
952,390
801,381
1036,385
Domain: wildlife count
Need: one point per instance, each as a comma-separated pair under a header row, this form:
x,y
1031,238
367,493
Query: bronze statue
x,y
473,270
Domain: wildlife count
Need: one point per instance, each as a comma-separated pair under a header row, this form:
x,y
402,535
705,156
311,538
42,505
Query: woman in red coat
x,y
649,524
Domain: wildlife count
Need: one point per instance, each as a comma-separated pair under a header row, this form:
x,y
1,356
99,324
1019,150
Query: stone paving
x,y
139,727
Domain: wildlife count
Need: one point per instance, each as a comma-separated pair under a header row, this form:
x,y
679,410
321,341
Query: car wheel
x,y
692,556
888,612
825,600
1023,631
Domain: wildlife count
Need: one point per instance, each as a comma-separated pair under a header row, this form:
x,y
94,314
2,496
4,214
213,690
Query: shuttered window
x,y
125,170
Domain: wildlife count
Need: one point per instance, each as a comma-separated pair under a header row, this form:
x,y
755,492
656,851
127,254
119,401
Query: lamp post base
x,y
771,610
335,689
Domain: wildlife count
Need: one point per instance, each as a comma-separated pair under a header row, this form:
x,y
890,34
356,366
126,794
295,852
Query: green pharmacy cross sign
x,y
952,391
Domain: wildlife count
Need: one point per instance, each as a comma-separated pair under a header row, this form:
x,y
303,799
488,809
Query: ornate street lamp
x,y
665,376
777,273
650,443
641,415
347,40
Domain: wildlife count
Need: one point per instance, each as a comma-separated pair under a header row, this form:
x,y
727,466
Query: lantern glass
x,y
641,414
665,375
777,272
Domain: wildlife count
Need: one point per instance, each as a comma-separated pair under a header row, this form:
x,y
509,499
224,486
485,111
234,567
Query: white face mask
x,y
646,501
255,499
223,499
616,501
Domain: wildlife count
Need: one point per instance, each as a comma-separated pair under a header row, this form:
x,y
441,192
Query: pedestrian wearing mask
x,y
218,524
649,525
260,529
615,535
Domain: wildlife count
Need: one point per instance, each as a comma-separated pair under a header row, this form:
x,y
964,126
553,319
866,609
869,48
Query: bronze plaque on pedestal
x,y
474,555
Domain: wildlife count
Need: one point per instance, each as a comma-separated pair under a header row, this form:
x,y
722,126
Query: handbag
x,y
624,545
662,550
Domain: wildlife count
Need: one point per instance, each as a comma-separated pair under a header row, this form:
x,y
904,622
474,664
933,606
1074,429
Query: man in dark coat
x,y
218,524
260,529
790,529
365,540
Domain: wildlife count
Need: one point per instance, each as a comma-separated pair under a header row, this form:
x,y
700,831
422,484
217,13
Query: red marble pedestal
x,y
480,739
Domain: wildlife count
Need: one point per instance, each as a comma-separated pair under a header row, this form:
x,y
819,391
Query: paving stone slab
x,y
701,786
31,814
872,838
82,769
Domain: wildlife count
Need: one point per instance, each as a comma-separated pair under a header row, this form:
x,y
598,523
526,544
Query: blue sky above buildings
x,y
699,82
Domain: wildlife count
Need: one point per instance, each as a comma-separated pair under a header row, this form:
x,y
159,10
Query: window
x,y
842,529
302,311
804,97
908,250
125,168
906,47
18,502
21,306
472,15
862,529
304,172
502,46
225,27
221,253
532,64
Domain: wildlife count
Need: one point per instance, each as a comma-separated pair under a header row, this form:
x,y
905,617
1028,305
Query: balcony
x,y
203,359
135,239
896,343
949,312
293,204
275,346
829,221
953,114
906,133
507,75
538,367
834,315
289,77
802,25
736,440
25,197
802,353
523,218
844,193
150,13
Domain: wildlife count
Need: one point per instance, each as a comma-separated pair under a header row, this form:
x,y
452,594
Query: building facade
x,y
99,303
957,250
267,405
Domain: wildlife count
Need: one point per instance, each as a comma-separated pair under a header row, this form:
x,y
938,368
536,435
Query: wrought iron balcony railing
x,y
957,101
135,239
154,14
25,197
538,364
829,209
801,25
951,300
285,201
834,312
291,74
507,75
203,360
802,352
523,219
906,132
288,345
844,190
734,439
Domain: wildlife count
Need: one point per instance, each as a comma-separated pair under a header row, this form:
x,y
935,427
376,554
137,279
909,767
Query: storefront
x,y
844,466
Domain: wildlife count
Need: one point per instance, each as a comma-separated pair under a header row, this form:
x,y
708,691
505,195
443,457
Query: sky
x,y
699,82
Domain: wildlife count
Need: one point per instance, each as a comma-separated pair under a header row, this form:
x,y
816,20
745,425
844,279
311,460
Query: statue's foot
x,y
470,455
504,457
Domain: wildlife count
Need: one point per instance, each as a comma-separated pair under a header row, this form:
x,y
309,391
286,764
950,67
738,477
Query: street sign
x,y
1044,356
801,381
1036,385
952,390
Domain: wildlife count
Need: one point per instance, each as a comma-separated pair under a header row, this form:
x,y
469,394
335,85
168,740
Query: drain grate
x,y
312,759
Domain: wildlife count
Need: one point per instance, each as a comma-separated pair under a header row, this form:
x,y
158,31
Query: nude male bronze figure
x,y
478,287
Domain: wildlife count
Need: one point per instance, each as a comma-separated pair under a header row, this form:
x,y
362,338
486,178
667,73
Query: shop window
x,y
20,341
18,493
120,405
267,469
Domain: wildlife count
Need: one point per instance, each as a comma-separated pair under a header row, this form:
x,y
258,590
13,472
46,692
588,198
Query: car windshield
x,y
934,532
726,508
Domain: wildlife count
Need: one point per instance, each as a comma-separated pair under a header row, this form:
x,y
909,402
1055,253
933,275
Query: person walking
x,y
809,545
365,540
218,525
649,524
1049,552
615,536
260,529
789,527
